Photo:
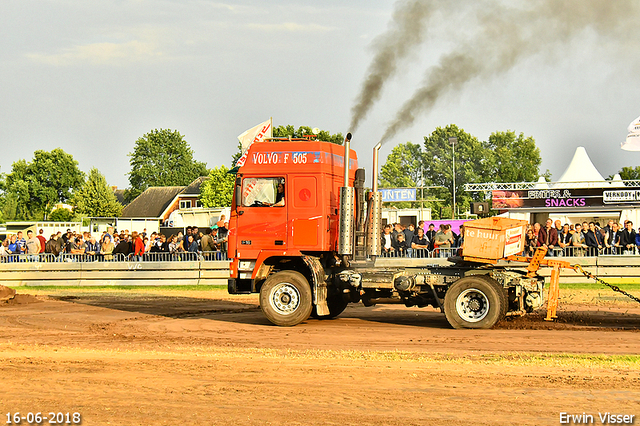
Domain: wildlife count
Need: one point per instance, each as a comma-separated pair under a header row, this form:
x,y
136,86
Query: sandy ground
x,y
199,358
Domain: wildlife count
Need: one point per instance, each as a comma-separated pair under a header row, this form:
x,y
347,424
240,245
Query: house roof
x,y
119,193
152,202
194,187
155,200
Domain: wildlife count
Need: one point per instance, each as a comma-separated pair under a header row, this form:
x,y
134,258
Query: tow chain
x,y
611,286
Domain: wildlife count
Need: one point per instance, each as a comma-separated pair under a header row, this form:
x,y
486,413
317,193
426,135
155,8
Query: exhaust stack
x,y
347,201
375,210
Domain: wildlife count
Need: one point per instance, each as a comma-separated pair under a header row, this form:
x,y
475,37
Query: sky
x,y
91,77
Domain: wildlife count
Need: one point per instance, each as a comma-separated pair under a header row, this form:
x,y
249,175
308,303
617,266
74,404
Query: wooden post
x,y
554,293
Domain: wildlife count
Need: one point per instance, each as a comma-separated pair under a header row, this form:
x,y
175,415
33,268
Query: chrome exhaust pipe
x,y
376,152
347,202
375,211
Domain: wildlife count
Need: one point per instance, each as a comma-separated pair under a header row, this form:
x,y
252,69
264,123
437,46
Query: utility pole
x,y
453,142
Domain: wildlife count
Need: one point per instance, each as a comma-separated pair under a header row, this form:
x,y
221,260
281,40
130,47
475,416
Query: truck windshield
x,y
260,191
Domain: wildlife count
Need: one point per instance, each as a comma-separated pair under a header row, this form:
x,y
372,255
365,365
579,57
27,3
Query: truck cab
x,y
285,211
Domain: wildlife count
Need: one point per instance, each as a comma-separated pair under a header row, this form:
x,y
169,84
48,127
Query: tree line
x,y
162,157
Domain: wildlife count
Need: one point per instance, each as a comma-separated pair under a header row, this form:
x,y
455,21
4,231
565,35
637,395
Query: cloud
x,y
101,54
291,27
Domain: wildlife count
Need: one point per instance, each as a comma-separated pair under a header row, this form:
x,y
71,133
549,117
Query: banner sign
x,y
398,194
565,198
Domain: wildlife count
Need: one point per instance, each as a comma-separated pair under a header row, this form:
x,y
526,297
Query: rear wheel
x,y
285,298
502,292
474,302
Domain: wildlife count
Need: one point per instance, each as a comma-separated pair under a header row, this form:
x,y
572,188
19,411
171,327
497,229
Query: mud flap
x,y
318,285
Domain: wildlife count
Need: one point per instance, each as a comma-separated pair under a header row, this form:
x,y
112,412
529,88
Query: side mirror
x,y
238,192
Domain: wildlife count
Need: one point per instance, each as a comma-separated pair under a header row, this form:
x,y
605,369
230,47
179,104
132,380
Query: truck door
x,y
262,216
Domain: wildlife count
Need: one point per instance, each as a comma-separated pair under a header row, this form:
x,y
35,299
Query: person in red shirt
x,y
138,245
43,240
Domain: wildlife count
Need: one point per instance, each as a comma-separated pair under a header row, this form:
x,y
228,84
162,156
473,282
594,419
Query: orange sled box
x,y
491,239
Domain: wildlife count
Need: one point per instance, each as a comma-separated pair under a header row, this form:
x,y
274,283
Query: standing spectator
x,y
193,244
163,244
4,250
548,237
629,238
609,227
107,248
536,230
419,245
443,240
613,239
400,245
123,247
22,243
13,247
430,234
32,247
185,242
578,241
206,243
387,240
53,245
220,223
397,229
558,226
137,244
43,240
65,237
594,240
564,239
409,232
92,247
223,237
531,243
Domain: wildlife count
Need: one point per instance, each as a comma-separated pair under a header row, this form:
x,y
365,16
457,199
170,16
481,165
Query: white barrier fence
x,y
199,271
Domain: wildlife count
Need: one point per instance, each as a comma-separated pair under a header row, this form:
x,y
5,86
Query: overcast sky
x,y
92,76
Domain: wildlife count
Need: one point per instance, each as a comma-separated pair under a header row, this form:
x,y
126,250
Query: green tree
x,y
32,189
61,215
513,158
162,158
472,165
217,191
95,198
629,173
300,132
403,169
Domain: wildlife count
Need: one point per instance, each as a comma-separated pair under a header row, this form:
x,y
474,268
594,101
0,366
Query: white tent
x,y
581,173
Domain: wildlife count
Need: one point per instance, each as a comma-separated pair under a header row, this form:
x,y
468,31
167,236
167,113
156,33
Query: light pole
x,y
453,142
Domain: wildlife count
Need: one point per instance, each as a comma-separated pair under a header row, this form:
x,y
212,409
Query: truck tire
x,y
285,298
336,305
504,297
473,302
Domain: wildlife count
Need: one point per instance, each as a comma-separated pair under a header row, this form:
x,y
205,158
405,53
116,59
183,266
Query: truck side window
x,y
263,192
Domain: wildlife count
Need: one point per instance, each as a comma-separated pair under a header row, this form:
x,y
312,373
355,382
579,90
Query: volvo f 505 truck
x,y
305,234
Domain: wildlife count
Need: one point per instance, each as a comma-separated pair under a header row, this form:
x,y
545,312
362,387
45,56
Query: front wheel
x,y
473,302
285,298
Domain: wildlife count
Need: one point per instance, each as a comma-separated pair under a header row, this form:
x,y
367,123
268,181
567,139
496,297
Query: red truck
x,y
305,234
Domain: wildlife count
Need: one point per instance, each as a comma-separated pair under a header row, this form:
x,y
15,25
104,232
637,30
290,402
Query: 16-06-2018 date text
x,y
51,418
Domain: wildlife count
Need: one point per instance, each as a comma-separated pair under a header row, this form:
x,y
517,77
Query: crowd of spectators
x,y
583,239
580,239
211,243
400,241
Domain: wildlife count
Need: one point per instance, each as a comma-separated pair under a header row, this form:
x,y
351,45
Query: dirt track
x,y
163,359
